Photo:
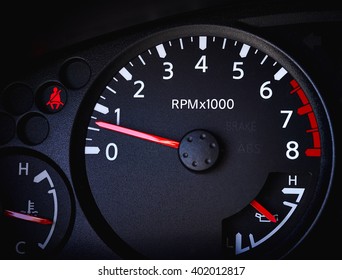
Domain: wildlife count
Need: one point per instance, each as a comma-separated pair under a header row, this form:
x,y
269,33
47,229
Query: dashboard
x,y
183,130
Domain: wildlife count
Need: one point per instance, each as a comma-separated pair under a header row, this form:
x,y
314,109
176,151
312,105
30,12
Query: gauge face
x,y
37,208
202,142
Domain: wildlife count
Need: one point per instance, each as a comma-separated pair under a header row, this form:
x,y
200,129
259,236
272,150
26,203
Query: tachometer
x,y
202,142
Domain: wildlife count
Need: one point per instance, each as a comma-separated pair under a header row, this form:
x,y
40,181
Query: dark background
x,y
35,33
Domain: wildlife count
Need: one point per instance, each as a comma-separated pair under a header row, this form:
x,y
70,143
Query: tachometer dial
x,y
202,142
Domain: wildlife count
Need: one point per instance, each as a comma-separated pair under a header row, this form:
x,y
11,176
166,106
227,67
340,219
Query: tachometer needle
x,y
27,217
261,209
139,134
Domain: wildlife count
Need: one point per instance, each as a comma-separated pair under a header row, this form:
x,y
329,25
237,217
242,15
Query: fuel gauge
x,y
36,205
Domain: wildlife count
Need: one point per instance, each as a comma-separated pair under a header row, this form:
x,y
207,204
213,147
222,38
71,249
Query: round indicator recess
x,y
202,142
37,207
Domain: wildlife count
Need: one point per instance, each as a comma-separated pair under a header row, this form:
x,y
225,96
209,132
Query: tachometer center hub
x,y
198,150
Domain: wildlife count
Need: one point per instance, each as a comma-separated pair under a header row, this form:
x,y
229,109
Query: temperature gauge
x,y
36,205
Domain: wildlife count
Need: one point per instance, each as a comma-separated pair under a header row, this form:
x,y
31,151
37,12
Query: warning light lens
x,y
51,98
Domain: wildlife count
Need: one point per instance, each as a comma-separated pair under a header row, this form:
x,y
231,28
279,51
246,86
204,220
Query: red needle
x,y
263,211
139,134
27,217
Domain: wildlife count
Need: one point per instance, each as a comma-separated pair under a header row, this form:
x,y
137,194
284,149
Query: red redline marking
x,y
316,139
295,85
302,96
299,91
313,152
312,130
313,121
304,109
294,90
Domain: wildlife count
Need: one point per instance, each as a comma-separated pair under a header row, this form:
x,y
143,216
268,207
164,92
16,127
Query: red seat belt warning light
x,y
51,98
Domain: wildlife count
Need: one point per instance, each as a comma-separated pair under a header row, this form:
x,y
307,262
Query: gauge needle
x,y
139,134
261,209
26,217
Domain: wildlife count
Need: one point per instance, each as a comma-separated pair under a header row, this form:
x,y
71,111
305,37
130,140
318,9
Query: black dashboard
x,y
247,94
